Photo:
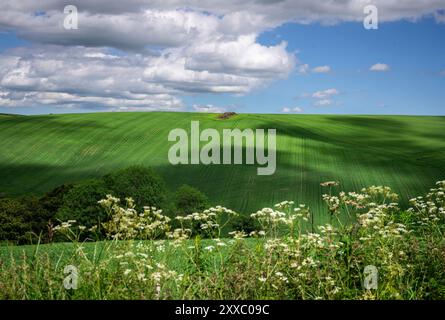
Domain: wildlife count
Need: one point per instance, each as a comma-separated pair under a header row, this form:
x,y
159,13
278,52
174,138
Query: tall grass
x,y
145,258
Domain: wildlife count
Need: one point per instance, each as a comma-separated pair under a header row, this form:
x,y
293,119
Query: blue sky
x,y
255,61
414,84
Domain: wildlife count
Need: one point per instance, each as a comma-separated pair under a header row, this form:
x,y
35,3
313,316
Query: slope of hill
x,y
404,152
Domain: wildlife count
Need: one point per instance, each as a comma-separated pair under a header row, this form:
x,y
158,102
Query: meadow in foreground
x,y
149,256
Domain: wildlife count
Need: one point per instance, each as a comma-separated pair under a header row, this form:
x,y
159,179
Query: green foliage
x,y
81,203
21,220
244,222
142,184
189,200
12,226
327,263
29,219
53,200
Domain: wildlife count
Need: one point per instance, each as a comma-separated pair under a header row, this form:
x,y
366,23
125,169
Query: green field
x,y
406,153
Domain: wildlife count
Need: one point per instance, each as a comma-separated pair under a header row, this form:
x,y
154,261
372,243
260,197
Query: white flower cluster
x,y
211,221
430,209
126,223
333,203
283,215
377,222
64,225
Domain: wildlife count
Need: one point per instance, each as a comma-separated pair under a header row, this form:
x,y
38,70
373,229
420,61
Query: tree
x,y
81,203
189,200
140,183
21,220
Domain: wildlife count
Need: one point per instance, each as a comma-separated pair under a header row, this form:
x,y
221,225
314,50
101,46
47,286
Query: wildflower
x,y
329,184
333,203
127,272
238,234
220,243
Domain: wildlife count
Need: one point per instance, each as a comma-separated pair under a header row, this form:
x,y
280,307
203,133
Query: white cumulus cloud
x,y
303,69
143,54
322,69
208,108
294,109
323,102
285,110
325,93
379,67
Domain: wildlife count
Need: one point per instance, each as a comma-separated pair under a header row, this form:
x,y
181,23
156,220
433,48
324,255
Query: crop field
x,y
406,153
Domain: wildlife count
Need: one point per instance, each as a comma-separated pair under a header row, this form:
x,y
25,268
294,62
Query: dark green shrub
x,y
80,203
140,183
189,200
52,201
244,223
21,220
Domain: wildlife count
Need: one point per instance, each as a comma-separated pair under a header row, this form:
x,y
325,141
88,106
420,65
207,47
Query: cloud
x,y
379,67
322,69
163,52
82,78
324,97
98,77
325,93
146,54
294,109
134,24
323,103
138,24
439,16
208,108
303,69
235,66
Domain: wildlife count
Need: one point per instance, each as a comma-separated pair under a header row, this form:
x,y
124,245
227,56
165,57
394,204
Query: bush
x,y
140,183
21,220
245,223
81,204
52,201
189,200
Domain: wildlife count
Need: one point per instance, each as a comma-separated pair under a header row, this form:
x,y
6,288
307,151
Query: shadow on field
x,y
383,125
47,123
368,134
363,151
36,179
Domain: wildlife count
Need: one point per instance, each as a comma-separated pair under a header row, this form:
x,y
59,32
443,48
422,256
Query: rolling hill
x,y
406,153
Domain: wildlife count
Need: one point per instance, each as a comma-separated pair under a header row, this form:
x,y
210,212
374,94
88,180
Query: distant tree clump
x,y
22,220
189,200
81,203
31,219
140,183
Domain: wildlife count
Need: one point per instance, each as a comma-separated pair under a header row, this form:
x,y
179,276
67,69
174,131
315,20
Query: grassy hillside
x,y
405,153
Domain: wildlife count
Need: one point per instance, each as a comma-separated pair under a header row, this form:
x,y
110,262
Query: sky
x,y
253,56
